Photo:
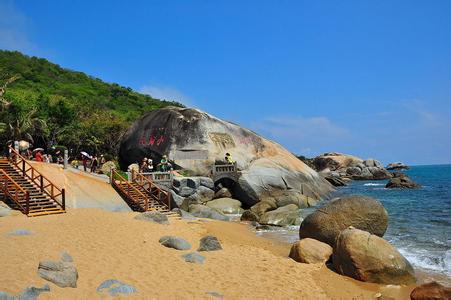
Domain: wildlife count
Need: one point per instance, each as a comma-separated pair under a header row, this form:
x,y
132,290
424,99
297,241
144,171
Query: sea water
x,y
419,219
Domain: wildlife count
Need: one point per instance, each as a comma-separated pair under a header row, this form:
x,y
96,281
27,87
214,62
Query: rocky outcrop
x,y
282,216
366,257
62,273
202,211
195,140
361,212
310,251
401,181
226,205
350,167
431,291
397,166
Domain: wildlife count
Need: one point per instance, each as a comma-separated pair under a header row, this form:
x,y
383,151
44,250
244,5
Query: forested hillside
x,y
48,105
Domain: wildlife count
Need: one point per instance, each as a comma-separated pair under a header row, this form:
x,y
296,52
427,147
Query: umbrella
x,y
85,154
38,149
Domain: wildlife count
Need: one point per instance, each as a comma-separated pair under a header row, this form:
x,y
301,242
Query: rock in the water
x,y
361,212
431,291
153,216
202,211
209,243
351,166
265,165
223,193
335,180
175,243
367,257
116,287
310,251
262,207
32,293
397,166
62,273
226,205
194,258
401,181
249,216
283,216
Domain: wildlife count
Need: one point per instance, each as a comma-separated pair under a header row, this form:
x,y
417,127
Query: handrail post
x,y
27,197
23,167
42,183
63,195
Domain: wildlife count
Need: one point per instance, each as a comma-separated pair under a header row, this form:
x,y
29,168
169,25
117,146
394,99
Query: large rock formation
x,y
194,140
347,166
366,257
361,212
401,181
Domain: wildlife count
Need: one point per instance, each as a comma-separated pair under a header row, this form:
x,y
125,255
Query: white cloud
x,y
302,128
425,115
166,93
14,29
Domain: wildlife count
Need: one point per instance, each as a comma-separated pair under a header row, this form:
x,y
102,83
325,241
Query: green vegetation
x,y
47,105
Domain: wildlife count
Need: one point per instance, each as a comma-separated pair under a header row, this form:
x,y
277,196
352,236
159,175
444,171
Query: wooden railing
x,y
14,191
159,177
43,183
158,194
126,188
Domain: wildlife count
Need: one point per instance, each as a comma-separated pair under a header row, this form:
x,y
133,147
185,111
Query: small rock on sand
x,y
209,243
153,216
20,232
175,243
62,273
32,293
116,287
194,257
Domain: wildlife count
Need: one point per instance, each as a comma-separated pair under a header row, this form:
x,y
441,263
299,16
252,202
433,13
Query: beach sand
x,y
113,245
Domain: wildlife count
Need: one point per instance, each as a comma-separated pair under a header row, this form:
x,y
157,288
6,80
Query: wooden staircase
x,y
141,194
23,188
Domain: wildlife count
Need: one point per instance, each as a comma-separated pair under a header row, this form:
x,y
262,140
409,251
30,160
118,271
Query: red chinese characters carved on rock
x,y
151,141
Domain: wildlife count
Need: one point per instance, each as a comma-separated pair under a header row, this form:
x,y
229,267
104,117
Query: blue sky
x,y
369,78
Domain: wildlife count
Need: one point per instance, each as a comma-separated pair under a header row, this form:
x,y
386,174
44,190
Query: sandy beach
x,y
113,245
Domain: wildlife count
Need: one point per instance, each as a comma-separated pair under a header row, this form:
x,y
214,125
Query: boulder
x,y
62,273
300,200
153,216
362,212
177,199
31,293
401,181
226,205
282,216
202,211
107,167
195,140
335,180
209,243
6,296
223,193
367,257
4,210
115,288
174,242
310,251
249,216
431,291
263,206
194,258
184,214
207,182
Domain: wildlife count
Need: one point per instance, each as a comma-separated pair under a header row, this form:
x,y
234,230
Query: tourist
x,y
229,159
85,162
164,164
149,165
38,156
102,160
143,165
94,164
